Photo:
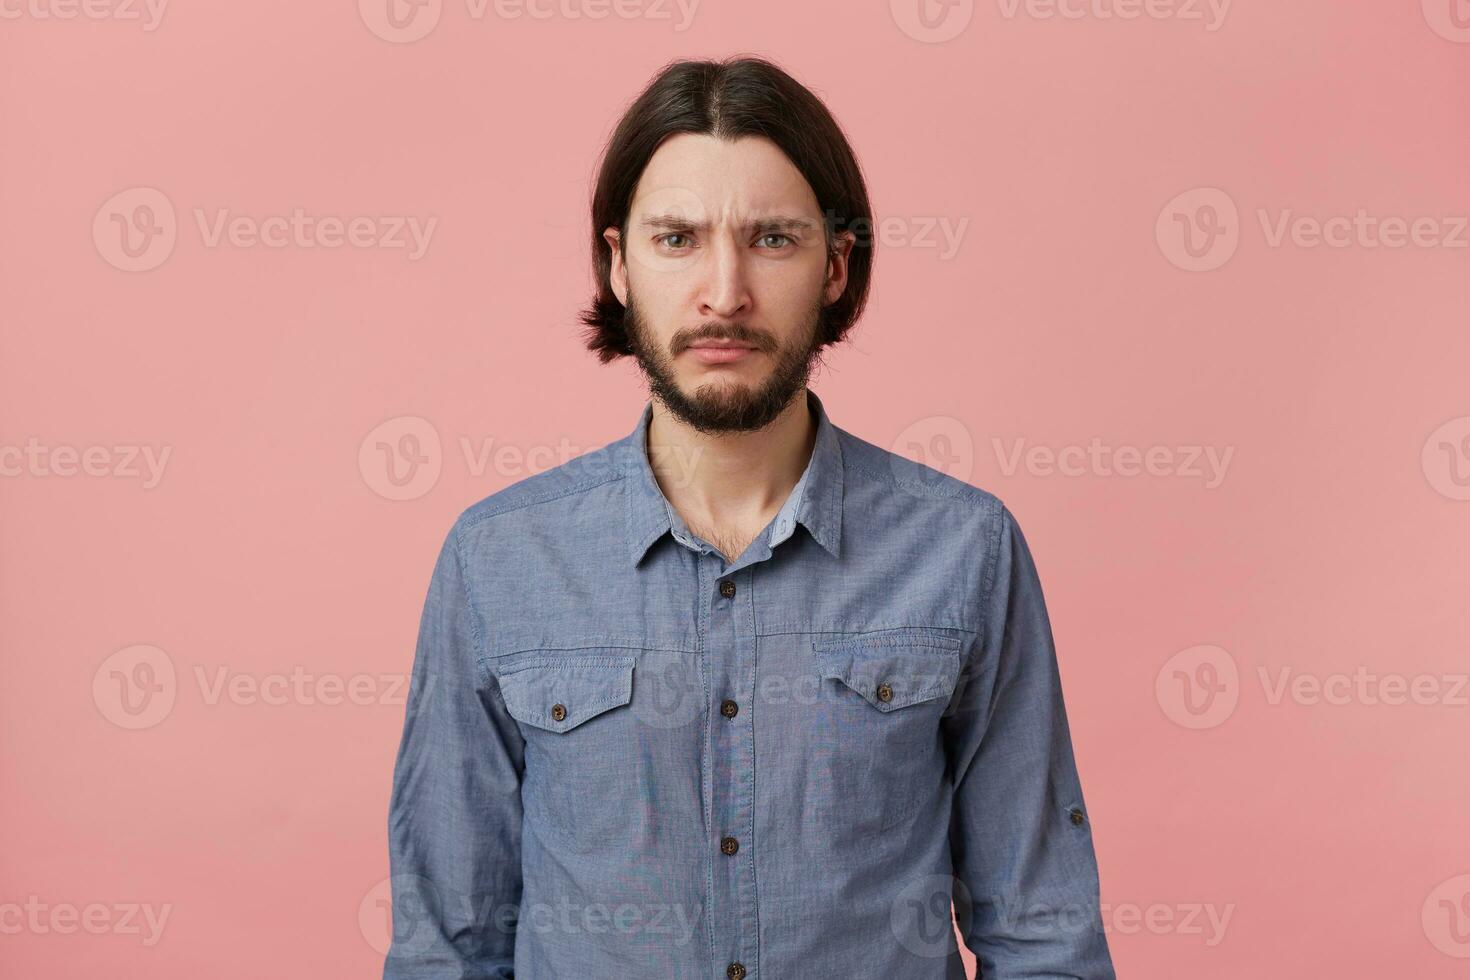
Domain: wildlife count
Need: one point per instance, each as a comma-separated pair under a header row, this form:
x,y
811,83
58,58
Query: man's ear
x,y
617,275
840,251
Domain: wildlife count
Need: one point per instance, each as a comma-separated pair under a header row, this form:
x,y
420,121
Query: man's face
x,y
724,273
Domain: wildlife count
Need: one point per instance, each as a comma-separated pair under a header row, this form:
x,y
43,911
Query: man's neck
x,y
727,486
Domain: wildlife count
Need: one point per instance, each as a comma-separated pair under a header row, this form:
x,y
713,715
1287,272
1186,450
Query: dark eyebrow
x,y
774,223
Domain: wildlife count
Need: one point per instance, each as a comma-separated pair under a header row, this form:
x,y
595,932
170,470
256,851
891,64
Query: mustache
x,y
736,332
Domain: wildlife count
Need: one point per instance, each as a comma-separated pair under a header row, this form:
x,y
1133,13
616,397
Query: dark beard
x,y
727,408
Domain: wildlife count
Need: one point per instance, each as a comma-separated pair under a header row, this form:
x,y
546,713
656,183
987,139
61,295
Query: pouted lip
x,y
722,344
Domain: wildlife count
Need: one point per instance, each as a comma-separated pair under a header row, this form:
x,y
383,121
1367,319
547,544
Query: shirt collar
x,y
815,502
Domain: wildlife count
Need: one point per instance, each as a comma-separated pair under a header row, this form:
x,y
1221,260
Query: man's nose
x,y
725,291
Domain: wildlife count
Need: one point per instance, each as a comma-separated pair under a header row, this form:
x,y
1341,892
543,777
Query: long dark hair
x,y
730,99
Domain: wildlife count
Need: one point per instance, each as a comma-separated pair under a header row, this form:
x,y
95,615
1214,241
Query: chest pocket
x,y
876,724
581,737
889,671
557,694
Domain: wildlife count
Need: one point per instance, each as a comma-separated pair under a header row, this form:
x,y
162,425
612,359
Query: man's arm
x,y
454,824
1027,897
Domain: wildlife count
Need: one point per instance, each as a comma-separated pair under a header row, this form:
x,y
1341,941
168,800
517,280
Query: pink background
x,y
1329,830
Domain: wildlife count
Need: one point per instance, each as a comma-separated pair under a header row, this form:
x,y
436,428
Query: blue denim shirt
x,y
625,756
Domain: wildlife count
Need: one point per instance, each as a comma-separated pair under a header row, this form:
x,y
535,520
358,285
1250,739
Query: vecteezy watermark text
x,y
121,462
1211,13
138,686
148,13
1206,463
1200,687
39,918
403,457
1201,229
137,230
406,21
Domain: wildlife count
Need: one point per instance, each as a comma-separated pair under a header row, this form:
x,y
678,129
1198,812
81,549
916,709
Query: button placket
x,y
730,653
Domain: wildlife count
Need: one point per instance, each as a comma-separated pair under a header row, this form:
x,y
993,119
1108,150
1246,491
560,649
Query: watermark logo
x,y
924,914
1450,19
944,445
940,442
1446,917
409,923
402,458
932,21
1446,458
1201,687
136,687
401,21
410,914
670,695
375,916
1198,687
1199,230
135,230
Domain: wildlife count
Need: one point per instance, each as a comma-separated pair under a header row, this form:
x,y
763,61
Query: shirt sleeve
x,y
1026,886
454,822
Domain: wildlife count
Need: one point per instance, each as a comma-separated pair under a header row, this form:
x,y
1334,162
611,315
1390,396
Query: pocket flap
x,y
891,672
558,694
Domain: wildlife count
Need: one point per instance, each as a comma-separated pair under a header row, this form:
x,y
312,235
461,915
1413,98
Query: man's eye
x,y
785,239
666,240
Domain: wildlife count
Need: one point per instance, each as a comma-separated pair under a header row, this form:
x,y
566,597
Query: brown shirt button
x,y
735,971
728,708
558,712
1077,817
885,693
729,845
727,588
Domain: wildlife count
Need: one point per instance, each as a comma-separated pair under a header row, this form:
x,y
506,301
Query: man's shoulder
x,y
885,471
564,485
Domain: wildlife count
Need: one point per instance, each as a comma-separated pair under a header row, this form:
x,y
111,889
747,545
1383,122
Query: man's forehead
x,y
704,178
